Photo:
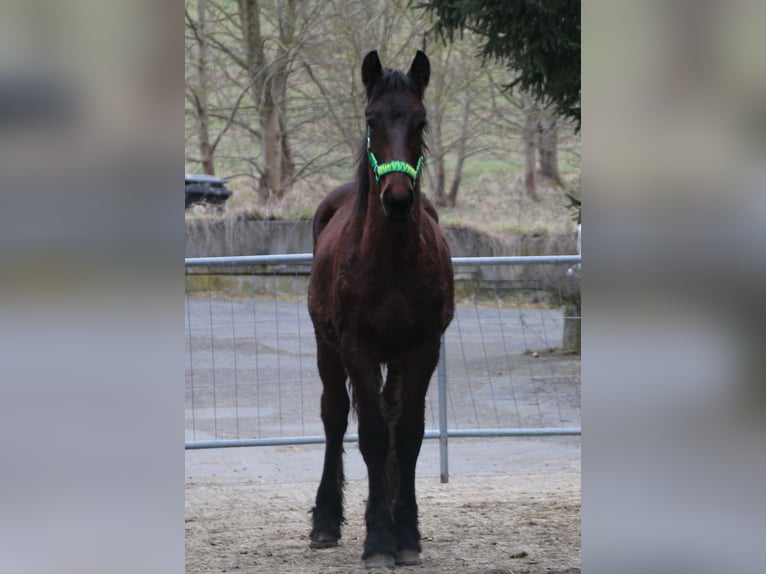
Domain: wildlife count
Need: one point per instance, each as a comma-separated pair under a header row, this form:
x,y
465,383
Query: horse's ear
x,y
420,71
372,70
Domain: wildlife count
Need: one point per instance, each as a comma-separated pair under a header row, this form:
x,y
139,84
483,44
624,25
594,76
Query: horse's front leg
x,y
417,371
380,542
327,514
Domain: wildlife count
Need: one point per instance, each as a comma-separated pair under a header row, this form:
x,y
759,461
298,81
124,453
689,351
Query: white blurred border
x,y
91,302
674,126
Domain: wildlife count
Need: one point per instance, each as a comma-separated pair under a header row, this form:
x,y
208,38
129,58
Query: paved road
x,y
251,370
467,457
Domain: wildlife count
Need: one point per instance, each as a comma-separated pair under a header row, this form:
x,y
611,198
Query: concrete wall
x,y
214,237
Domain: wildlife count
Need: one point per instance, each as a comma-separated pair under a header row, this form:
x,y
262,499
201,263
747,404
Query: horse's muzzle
x,y
398,203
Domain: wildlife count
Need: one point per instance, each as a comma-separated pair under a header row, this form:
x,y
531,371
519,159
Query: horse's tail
x,y
353,395
391,406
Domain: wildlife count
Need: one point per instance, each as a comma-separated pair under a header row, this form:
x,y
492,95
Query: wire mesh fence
x,y
251,373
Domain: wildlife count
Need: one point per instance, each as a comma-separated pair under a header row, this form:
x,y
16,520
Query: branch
x,y
230,119
328,101
229,52
191,95
239,123
193,25
323,157
213,40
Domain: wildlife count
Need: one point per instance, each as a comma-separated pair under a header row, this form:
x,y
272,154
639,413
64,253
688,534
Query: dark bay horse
x,y
381,293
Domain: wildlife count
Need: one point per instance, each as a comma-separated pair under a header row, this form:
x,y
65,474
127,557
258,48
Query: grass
x,y
491,199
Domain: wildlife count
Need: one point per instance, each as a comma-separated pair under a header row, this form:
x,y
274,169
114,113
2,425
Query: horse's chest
x,y
392,315
389,317
392,325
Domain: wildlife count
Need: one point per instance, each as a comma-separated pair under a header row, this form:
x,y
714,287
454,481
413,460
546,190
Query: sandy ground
x,y
512,506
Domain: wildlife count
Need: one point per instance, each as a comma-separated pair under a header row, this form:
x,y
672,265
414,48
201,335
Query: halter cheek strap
x,y
397,165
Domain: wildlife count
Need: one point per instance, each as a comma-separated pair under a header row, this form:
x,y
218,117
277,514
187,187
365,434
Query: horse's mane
x,y
391,81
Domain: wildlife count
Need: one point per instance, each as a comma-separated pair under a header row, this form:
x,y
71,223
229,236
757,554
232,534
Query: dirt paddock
x,y
247,511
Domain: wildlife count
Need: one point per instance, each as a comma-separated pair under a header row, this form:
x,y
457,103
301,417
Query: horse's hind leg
x,y
327,514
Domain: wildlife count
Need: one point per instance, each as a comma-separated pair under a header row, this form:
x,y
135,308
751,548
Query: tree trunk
x,y
440,178
271,145
287,18
549,162
461,152
288,164
529,136
255,61
437,161
201,92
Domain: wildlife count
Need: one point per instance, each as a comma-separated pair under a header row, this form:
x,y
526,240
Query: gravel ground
x,y
511,506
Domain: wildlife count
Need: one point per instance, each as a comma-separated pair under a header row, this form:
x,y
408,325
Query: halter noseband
x,y
397,165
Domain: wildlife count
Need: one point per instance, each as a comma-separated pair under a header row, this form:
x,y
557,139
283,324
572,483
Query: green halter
x,y
397,165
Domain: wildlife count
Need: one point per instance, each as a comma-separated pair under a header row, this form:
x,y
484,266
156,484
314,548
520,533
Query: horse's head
x,y
396,118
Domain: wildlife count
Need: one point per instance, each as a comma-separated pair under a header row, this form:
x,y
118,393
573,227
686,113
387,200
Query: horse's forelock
x,y
392,81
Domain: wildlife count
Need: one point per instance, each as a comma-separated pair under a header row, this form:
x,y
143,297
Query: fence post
x,y
442,383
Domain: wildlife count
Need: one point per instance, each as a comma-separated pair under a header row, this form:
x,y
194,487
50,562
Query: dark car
x,y
206,190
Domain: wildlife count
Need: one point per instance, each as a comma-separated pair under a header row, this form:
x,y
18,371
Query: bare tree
x,y
549,145
202,89
268,83
461,152
333,60
540,138
274,95
458,83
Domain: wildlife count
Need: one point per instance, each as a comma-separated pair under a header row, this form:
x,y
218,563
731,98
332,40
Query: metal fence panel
x,y
251,374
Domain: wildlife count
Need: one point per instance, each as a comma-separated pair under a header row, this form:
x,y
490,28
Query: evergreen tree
x,y
538,40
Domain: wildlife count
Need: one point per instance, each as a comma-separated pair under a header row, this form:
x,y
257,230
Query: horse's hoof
x,y
323,540
377,561
408,558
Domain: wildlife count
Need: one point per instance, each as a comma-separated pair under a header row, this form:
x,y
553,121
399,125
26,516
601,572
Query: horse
x,y
380,294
